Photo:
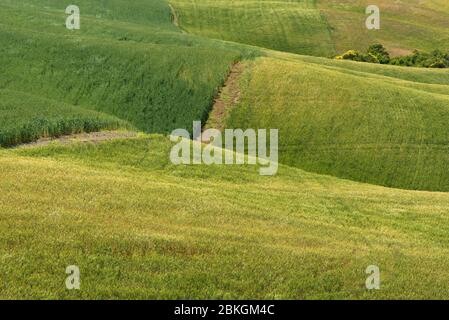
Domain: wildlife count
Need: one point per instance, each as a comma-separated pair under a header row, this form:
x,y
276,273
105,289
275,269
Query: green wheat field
x,y
363,173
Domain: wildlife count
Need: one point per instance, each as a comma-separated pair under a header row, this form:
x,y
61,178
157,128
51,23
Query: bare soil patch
x,y
228,97
93,137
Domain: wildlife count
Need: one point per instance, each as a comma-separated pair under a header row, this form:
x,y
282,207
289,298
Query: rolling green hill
x,y
148,74
405,25
140,227
319,27
355,125
293,26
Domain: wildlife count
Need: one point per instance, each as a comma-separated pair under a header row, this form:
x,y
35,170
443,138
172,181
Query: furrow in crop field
x,y
227,98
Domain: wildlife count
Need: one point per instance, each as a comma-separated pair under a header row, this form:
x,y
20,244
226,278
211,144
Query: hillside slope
x,y
405,25
355,125
293,26
131,62
139,227
128,61
370,123
319,27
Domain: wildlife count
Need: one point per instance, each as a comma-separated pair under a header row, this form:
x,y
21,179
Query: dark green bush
x,y
434,59
378,54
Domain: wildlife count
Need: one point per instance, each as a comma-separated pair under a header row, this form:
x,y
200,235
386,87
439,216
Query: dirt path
x,y
175,18
93,137
228,97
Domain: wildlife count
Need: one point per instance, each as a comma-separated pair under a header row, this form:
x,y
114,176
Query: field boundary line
x,y
228,97
175,18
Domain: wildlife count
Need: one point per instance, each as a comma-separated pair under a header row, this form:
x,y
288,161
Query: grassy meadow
x,y
319,27
26,118
337,126
147,74
405,25
140,227
292,26
364,151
